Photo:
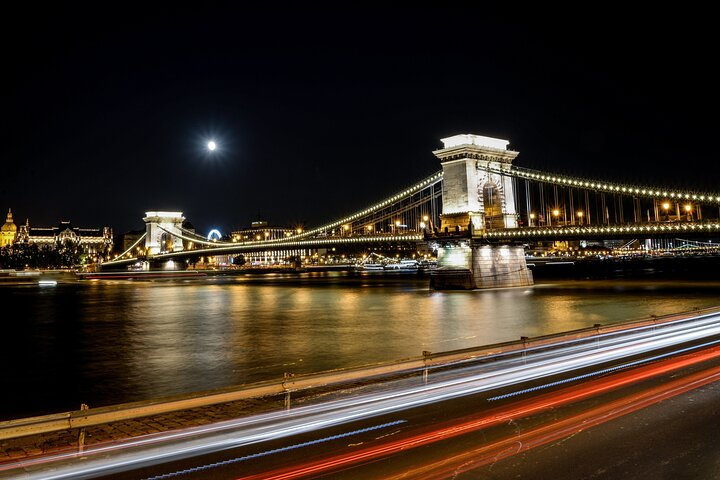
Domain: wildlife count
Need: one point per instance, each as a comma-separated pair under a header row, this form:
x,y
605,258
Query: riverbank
x,y
700,267
36,277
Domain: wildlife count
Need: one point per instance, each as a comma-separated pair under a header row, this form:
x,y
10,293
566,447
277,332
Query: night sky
x,y
323,109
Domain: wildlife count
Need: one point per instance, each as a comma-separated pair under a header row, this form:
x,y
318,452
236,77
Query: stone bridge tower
x,y
477,197
473,191
163,232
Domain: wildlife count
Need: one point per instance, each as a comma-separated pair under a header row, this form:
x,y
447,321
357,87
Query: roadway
x,y
603,408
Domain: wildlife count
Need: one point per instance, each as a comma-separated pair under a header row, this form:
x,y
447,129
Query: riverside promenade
x,y
72,432
67,441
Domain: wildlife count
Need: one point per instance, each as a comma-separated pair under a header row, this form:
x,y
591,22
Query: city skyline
x,y
318,111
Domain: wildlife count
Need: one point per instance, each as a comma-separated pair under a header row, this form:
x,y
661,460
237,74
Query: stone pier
x,y
468,264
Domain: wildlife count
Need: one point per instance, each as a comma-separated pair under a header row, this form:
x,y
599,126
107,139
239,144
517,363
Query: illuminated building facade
x,y
8,232
91,241
261,231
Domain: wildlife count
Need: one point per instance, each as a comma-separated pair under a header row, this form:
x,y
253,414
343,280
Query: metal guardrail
x,y
83,418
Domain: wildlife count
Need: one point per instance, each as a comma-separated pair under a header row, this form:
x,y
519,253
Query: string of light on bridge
x,y
294,243
585,231
432,180
609,187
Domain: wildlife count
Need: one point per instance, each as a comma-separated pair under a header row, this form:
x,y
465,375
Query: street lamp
x,y
580,216
666,207
532,220
556,214
211,145
688,209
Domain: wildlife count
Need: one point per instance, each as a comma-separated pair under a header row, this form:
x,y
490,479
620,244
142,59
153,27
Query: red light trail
x,y
532,438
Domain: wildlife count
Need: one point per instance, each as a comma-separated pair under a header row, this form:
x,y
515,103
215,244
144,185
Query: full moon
x,y
212,145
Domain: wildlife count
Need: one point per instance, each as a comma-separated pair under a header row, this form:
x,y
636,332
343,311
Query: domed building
x,y
8,232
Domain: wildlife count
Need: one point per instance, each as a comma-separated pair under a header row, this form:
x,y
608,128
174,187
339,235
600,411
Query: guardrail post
x,y
287,376
597,326
524,354
426,354
81,433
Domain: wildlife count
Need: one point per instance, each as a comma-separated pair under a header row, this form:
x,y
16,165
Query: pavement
x,y
66,441
15,449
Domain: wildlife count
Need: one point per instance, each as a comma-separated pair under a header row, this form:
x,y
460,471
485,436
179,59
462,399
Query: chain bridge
x,y
479,212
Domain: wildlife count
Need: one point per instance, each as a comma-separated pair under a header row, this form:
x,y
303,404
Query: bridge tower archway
x,y
493,207
163,232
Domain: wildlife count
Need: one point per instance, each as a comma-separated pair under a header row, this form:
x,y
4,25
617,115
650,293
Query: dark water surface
x,y
106,342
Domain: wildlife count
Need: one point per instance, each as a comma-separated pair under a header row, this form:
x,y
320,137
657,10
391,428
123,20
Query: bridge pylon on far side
x,y
477,197
163,232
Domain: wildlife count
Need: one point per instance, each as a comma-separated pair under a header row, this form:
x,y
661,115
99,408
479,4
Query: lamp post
x,y
556,214
531,221
666,208
580,215
688,210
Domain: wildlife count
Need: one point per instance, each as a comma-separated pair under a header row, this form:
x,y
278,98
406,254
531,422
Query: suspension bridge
x,y
478,212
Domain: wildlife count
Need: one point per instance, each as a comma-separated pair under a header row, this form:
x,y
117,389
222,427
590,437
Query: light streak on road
x,y
231,461
396,396
512,445
535,437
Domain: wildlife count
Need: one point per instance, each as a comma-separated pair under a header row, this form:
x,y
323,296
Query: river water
x,y
107,342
